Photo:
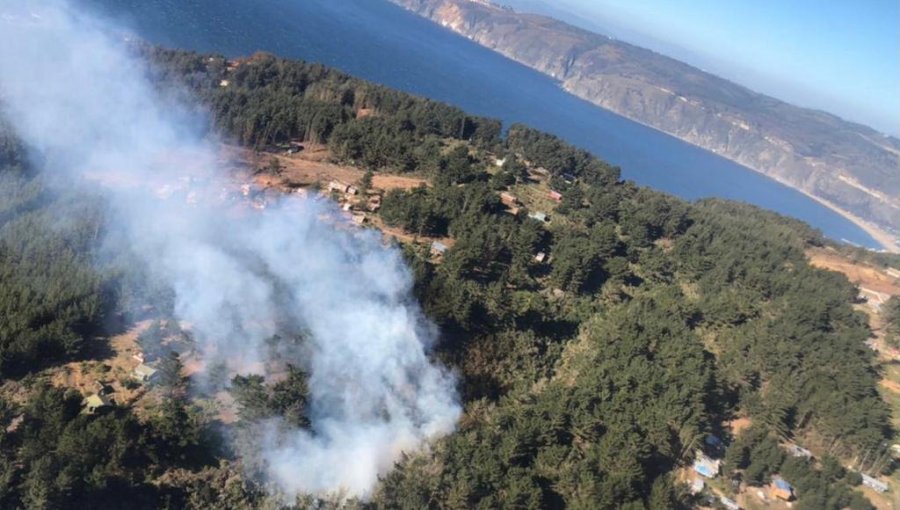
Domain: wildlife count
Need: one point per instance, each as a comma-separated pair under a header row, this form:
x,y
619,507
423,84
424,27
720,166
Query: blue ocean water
x,y
381,42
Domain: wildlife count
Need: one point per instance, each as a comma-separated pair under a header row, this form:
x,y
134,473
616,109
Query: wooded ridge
x,y
589,376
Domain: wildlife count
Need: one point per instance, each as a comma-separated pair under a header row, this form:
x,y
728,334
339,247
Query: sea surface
x,y
381,42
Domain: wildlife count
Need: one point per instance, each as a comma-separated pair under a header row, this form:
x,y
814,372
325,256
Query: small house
x,y
874,483
798,451
781,489
894,273
337,186
697,486
895,451
438,248
874,298
145,373
555,195
352,190
224,83
499,162
706,466
508,199
374,203
96,402
359,219
542,217
540,257
569,178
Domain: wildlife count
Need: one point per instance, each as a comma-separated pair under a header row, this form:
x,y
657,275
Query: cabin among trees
x,y
96,402
145,373
781,489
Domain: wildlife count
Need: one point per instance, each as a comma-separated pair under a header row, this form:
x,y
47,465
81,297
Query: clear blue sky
x,y
841,56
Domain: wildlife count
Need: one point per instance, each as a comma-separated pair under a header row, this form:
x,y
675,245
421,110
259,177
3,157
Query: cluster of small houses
x,y
778,489
357,212
259,198
102,399
514,206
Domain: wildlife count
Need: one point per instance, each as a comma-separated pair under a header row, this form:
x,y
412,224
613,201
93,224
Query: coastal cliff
x,y
850,167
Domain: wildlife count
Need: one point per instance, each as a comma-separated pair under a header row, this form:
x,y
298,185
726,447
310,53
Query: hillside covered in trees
x,y
598,344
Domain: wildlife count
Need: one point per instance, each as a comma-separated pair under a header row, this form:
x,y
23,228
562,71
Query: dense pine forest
x,y
590,376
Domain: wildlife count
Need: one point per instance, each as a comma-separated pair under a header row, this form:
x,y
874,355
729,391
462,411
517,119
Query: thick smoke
x,y
239,275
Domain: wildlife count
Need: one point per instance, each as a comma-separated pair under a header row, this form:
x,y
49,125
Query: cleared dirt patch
x,y
115,371
891,385
405,237
858,273
739,425
312,166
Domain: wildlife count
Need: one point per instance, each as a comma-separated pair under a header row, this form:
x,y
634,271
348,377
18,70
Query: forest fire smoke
x,y
78,97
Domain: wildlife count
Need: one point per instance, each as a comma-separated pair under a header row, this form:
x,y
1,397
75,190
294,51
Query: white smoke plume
x,y
75,93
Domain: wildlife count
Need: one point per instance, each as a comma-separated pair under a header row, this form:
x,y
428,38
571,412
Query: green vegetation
x,y
587,378
892,320
51,297
57,457
758,456
268,101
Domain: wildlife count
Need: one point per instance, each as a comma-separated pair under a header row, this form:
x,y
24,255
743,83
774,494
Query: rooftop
x,y
781,483
144,370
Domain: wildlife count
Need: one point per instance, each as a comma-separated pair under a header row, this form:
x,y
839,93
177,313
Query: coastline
x,y
884,238
887,241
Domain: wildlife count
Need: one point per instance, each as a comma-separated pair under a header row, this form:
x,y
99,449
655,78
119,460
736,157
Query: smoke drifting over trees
x,y
239,277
